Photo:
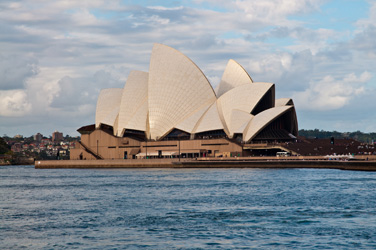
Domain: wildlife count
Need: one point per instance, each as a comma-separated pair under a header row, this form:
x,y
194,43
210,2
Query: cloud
x,y
57,55
371,18
273,10
290,71
267,9
14,103
14,70
330,93
78,93
365,42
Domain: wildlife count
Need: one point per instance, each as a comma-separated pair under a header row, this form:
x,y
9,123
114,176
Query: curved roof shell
x,y
134,102
239,120
283,102
108,105
189,124
138,121
175,94
209,121
176,89
243,98
234,76
261,120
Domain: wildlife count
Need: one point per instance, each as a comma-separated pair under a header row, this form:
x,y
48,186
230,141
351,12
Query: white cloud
x,y
272,64
14,103
165,8
83,17
330,93
290,71
371,19
80,94
57,55
273,10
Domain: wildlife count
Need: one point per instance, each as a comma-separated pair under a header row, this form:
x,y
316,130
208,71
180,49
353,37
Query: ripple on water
x,y
187,209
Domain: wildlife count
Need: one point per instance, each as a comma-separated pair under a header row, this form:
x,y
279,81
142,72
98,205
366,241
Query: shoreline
x,y
358,165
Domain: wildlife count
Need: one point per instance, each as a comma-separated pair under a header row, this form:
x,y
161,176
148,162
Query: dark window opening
x,y
135,134
107,128
177,134
214,134
238,137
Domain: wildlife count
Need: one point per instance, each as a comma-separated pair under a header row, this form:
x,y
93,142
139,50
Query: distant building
x,y
57,136
16,147
18,136
38,137
46,141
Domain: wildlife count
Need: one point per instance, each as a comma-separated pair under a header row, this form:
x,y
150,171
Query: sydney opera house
x,y
173,111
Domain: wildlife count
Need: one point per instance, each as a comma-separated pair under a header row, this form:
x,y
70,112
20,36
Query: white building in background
x,y
175,101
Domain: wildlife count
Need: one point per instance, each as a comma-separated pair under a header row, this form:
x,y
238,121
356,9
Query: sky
x,y
56,56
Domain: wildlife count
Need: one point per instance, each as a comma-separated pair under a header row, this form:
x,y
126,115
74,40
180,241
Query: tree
x,y
4,147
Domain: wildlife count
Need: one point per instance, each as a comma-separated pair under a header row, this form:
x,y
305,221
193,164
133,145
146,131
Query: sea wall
x,y
205,163
130,163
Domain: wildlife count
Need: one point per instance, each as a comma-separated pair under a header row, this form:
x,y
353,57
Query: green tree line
x,y
4,147
321,134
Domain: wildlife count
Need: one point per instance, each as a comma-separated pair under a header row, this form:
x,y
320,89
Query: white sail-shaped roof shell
x,y
110,119
243,98
108,105
239,120
234,76
261,120
176,89
138,121
133,108
190,122
175,94
283,102
209,121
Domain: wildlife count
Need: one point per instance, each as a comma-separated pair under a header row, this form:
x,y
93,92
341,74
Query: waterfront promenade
x,y
358,163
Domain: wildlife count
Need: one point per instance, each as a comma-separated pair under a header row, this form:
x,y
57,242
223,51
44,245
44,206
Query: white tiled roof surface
x,y
107,105
138,121
177,88
239,120
176,94
282,101
261,120
133,102
110,118
209,121
189,123
243,98
234,76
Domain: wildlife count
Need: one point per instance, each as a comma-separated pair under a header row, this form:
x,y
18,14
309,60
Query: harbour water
x,y
186,208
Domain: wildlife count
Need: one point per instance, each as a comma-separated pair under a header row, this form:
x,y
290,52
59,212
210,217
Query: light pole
x,y
97,148
179,148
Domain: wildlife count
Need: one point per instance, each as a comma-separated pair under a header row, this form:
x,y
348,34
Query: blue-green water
x,y
187,209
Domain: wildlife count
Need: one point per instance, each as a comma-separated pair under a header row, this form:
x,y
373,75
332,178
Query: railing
x,y
87,149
